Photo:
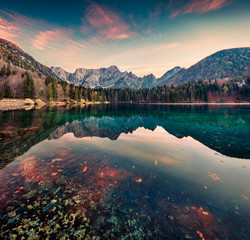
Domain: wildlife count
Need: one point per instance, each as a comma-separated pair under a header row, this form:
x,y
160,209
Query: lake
x,y
126,171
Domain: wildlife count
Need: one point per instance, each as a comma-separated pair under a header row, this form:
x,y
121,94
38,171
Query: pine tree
x,y
76,94
8,92
54,89
8,72
50,93
3,71
29,86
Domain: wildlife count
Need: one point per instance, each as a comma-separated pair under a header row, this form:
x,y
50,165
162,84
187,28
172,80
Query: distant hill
x,y
227,63
11,53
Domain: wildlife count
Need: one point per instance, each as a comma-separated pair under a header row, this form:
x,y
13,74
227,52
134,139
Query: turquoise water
x,y
126,172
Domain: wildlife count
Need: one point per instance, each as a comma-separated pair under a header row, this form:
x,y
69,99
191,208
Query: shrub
x,y
29,101
42,93
38,102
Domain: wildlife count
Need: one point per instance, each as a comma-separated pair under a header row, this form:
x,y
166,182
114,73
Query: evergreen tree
x,y
3,71
8,71
8,92
29,86
54,85
76,94
50,93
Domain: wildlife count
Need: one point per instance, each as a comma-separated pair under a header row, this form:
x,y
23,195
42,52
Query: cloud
x,y
105,24
197,6
13,25
7,29
45,39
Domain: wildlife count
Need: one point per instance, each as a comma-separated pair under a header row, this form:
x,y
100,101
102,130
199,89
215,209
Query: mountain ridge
x,y
227,63
10,52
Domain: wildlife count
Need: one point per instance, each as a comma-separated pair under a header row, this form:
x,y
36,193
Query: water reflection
x,y
224,129
114,172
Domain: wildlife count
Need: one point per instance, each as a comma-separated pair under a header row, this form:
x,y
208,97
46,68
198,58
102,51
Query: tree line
x,y
237,89
197,91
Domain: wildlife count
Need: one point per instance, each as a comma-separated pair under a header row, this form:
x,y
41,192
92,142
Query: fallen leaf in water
x,y
56,159
85,169
214,176
138,180
204,212
245,197
200,235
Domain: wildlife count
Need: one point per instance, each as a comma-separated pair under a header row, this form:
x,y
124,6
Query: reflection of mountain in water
x,y
211,130
224,129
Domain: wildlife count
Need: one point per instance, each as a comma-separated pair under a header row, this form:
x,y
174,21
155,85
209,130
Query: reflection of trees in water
x,y
221,128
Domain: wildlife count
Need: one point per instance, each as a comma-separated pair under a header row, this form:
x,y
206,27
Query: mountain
x,y
227,63
168,75
15,55
110,77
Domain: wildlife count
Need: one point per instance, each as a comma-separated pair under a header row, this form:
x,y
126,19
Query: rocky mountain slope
x,y
110,77
11,53
227,63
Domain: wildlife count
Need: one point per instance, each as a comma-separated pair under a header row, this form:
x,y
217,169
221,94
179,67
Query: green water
x,y
126,172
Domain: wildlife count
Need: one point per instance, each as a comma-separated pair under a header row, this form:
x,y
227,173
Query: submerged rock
x,y
11,214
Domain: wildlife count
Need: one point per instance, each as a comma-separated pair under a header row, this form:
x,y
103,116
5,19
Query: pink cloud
x,y
51,38
198,6
7,29
43,39
106,24
14,26
18,18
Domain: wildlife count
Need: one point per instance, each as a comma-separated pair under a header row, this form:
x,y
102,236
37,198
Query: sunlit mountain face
x,y
126,170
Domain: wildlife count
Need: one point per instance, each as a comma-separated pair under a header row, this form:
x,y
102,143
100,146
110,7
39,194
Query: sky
x,y
141,36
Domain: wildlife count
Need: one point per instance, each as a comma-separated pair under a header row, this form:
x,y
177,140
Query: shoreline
x,y
7,104
24,104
